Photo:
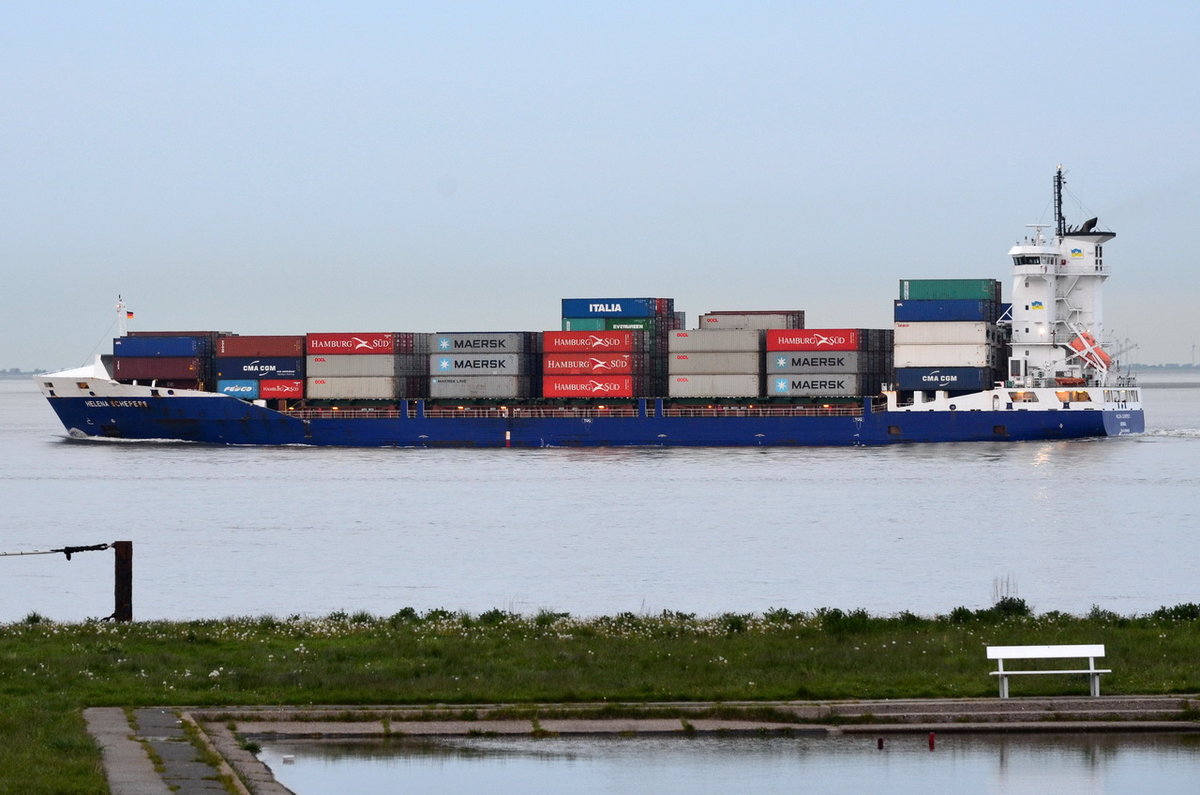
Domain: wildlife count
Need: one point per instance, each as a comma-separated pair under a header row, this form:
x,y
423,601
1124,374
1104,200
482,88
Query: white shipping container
x,y
821,385
504,364
737,363
946,355
477,342
326,365
749,320
351,387
478,386
815,361
945,333
715,340
736,386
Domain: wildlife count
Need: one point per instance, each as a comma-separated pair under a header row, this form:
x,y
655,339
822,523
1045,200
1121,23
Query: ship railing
x,y
573,412
764,411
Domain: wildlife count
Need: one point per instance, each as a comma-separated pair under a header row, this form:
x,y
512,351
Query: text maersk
x,y
480,364
475,344
825,384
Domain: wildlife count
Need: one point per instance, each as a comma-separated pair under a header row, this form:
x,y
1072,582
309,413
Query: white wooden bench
x,y
1090,651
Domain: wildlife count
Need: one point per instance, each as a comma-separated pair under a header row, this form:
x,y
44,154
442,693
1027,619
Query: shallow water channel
x,y
1075,763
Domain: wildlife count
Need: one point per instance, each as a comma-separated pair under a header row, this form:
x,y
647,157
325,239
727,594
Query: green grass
x,y
49,672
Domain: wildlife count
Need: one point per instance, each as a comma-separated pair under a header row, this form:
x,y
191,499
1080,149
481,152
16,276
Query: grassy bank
x,y
49,672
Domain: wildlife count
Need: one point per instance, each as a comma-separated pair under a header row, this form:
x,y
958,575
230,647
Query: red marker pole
x,y
932,740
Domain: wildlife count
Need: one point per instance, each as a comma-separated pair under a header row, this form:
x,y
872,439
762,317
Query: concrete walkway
x,y
193,766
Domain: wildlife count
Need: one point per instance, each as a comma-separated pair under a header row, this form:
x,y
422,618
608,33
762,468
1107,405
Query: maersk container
x,y
584,324
174,347
955,310
478,364
816,361
715,363
610,307
479,342
714,386
350,388
951,289
281,389
228,368
353,365
245,389
752,319
150,368
588,386
254,346
479,386
946,355
945,333
349,344
832,385
716,340
953,379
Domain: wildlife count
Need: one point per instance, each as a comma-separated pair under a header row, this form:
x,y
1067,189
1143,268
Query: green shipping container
x,y
629,324
583,324
949,289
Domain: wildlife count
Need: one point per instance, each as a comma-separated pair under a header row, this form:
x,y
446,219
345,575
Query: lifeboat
x,y
1085,345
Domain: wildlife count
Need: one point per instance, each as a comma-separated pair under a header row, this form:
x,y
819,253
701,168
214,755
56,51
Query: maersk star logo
x,y
444,343
781,385
444,364
781,362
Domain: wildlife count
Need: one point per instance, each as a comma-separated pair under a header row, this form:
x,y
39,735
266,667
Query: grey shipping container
x,y
478,364
823,385
713,340
701,386
351,387
816,361
326,365
715,363
481,342
945,333
479,386
946,355
752,320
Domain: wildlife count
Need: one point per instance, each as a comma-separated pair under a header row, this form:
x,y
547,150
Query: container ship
x,y
959,364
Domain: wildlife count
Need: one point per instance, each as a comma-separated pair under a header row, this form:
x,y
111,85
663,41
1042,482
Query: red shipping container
x,y
271,389
813,339
149,368
570,341
368,343
253,347
585,364
592,386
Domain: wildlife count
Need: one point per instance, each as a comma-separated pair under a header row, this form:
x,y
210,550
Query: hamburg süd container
x,y
229,368
588,364
945,310
714,386
170,347
477,364
610,341
715,363
715,340
588,386
953,379
254,346
347,344
827,339
281,389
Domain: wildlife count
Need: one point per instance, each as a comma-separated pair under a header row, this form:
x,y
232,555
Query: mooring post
x,y
123,588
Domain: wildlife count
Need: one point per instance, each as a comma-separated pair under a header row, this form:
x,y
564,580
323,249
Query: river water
x,y
221,531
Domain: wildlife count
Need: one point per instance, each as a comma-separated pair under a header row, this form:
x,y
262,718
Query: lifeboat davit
x,y
1085,345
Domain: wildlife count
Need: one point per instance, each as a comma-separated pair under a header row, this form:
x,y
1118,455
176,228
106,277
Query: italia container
x,y
148,368
477,364
946,356
171,347
588,386
589,364
351,388
584,324
815,361
837,385
281,388
716,340
479,386
476,342
952,289
347,344
955,310
255,346
610,341
610,307
828,339
951,379
356,365
241,388
259,368
945,333
714,386
792,318
715,363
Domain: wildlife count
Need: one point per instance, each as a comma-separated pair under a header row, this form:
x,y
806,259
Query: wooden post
x,y
123,588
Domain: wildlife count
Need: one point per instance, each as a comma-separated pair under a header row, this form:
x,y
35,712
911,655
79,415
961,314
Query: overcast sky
x,y
453,166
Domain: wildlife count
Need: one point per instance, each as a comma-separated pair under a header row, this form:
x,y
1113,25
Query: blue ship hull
x,y
222,420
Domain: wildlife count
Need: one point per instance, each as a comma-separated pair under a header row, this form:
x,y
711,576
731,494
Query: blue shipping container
x,y
177,347
265,367
609,307
957,310
245,389
951,379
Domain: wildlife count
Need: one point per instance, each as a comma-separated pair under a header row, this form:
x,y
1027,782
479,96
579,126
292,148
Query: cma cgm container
x,y
715,363
610,307
341,366
351,388
244,389
588,386
948,310
784,318
951,379
254,346
715,386
833,385
952,289
942,333
946,355
816,361
347,344
575,341
829,339
589,364
281,388
477,364
162,346
149,368
259,368
479,386
716,340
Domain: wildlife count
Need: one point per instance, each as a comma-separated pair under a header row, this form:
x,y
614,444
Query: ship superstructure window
x,y
1023,397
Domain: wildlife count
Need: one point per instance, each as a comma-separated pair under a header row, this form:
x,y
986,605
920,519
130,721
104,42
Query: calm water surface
x,y
241,530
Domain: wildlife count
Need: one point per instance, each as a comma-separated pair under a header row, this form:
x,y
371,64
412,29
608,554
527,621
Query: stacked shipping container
x,y
715,363
759,319
366,366
483,365
654,318
829,363
946,337
260,367
595,364
177,359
